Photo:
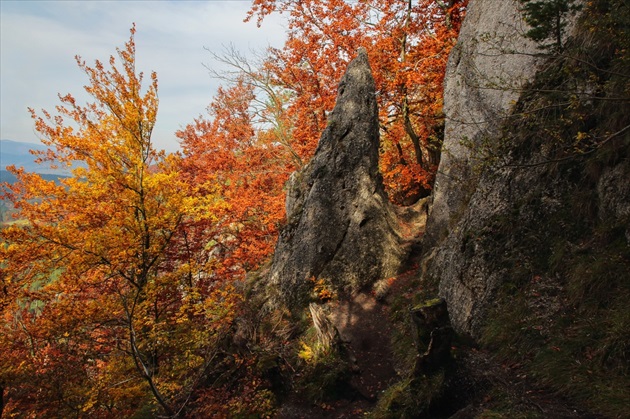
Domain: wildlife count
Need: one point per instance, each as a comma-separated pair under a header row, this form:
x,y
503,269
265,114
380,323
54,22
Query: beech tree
x,y
248,168
106,306
266,122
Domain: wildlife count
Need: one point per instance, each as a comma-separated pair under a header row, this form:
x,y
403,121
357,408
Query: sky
x,y
39,40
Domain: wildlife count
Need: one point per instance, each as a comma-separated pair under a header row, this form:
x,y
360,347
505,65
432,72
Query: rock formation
x,y
507,220
491,63
487,69
340,229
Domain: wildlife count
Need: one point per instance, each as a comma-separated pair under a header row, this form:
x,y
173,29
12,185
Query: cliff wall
x,y
528,239
514,179
489,67
491,63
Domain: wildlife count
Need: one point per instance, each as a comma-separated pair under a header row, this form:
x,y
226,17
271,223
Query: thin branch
x,y
599,145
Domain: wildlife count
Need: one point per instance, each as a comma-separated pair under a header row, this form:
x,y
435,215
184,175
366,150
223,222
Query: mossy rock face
x,y
536,264
550,180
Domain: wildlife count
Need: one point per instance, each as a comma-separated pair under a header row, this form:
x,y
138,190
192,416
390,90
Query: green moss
x,y
410,398
569,322
428,303
566,317
501,404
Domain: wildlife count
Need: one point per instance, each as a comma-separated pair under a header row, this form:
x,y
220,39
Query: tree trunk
x,y
327,333
433,336
417,148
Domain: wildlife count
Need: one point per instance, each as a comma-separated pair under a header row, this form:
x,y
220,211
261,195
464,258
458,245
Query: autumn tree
x,y
248,167
107,307
265,122
241,150
267,100
408,44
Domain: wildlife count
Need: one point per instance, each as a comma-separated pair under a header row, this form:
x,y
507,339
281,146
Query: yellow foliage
x,y
323,289
306,353
106,275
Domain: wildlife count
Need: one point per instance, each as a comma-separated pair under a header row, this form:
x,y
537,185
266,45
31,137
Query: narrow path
x,y
365,328
485,384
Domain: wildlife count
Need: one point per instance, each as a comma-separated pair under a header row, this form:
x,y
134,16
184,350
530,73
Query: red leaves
x,y
244,164
126,266
408,45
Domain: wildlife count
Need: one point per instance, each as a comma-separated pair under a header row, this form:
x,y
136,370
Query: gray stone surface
x,y
470,248
486,71
340,227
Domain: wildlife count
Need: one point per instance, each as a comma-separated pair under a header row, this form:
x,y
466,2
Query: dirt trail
x,y
364,322
365,328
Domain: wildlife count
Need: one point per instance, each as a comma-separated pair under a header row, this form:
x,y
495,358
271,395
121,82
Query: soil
x,y
482,384
499,384
364,327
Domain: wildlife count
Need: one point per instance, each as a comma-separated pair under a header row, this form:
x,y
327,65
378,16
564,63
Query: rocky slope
x,y
527,239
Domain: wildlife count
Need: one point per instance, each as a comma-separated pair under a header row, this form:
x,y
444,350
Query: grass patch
x,y
324,374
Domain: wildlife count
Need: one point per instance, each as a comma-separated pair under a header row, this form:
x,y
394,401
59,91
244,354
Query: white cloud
x,y
40,39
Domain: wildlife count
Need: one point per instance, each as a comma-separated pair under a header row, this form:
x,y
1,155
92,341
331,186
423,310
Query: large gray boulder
x,y
340,227
491,221
486,72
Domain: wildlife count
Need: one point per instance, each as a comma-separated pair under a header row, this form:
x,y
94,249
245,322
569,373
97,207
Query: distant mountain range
x,y
17,153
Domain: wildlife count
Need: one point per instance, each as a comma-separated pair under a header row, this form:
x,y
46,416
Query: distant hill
x,y
18,153
6,176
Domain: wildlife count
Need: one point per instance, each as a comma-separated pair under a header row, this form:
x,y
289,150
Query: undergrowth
x,y
563,311
411,397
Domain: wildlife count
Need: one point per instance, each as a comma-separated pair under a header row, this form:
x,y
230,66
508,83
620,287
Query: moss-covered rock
x,y
536,264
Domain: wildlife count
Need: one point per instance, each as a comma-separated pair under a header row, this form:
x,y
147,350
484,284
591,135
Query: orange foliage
x,y
408,45
108,308
248,169
119,288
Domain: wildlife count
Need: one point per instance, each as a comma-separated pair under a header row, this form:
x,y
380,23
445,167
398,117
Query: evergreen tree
x,y
548,20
